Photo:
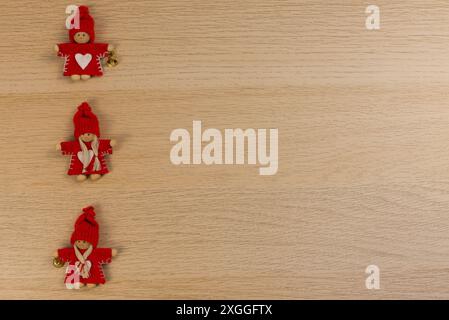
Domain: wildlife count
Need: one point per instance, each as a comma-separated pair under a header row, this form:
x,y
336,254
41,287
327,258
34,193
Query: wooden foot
x,y
81,178
95,177
75,77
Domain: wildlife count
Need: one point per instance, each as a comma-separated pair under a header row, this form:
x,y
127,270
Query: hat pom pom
x,y
83,10
89,211
84,108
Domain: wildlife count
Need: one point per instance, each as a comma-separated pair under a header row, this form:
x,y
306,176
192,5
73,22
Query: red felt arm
x,y
105,146
64,49
64,254
101,48
68,147
104,255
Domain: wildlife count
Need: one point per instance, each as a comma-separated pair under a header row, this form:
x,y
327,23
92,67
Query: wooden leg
x,y
75,77
94,177
85,77
81,177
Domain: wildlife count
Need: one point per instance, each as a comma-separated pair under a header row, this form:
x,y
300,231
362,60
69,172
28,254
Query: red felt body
x,y
97,51
76,166
98,257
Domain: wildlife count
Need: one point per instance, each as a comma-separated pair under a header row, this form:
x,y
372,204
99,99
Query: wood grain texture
x,y
363,149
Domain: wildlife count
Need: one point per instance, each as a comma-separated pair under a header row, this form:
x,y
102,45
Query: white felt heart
x,y
81,158
83,59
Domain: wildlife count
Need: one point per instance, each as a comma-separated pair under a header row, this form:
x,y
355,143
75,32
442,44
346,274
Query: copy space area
x,y
363,175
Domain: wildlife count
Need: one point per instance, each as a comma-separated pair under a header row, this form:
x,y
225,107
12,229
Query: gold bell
x,y
57,262
112,59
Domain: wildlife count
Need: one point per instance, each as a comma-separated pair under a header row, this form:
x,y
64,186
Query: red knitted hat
x,y
86,228
85,121
87,24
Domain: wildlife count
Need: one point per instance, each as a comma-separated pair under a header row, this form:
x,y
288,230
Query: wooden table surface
x,y
363,119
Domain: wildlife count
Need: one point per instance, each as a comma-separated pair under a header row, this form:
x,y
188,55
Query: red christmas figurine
x,y
88,150
83,57
84,259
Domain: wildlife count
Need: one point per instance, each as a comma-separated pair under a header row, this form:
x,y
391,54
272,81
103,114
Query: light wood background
x,y
363,119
